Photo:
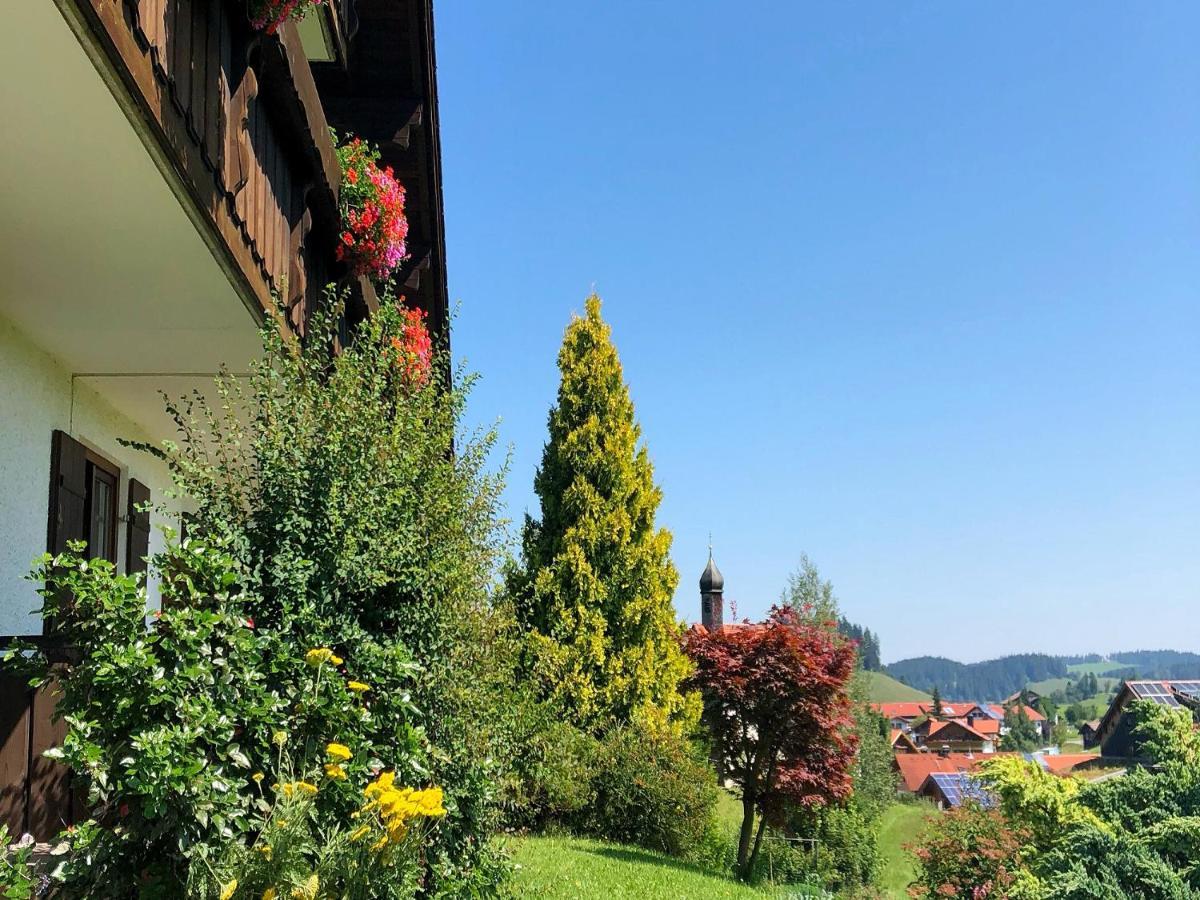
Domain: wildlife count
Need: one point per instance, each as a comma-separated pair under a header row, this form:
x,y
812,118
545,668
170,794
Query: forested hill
x,y
1159,664
993,679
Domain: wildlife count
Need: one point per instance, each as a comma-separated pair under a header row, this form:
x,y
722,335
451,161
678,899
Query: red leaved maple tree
x,y
777,708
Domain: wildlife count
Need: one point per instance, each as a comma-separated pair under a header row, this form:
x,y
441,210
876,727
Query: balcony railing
x,y
235,114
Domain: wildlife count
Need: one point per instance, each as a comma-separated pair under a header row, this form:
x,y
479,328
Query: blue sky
x,y
910,287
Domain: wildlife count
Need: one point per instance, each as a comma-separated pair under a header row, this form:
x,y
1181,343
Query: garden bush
x,y
334,503
553,767
172,728
652,790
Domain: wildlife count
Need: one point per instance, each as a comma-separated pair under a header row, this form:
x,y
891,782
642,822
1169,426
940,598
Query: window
x,y
100,508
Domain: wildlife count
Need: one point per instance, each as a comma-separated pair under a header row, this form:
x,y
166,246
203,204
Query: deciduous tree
x,y
777,705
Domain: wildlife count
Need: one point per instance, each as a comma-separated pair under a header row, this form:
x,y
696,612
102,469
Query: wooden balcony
x,y
234,116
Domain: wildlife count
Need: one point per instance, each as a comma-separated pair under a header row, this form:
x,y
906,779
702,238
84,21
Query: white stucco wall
x,y
35,399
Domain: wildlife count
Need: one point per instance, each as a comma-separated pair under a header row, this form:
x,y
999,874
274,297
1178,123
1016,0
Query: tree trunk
x,y
743,856
762,825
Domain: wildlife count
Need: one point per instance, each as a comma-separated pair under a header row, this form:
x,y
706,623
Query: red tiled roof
x,y
985,726
916,767
913,709
1033,714
937,727
1065,763
905,710
728,626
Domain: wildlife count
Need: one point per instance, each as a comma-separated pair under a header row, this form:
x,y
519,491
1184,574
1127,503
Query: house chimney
x,y
712,596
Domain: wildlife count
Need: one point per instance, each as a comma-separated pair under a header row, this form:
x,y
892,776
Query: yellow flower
x,y
335,771
380,784
338,751
227,890
306,787
358,687
279,737
360,832
335,660
257,777
281,823
310,888
380,844
269,894
318,656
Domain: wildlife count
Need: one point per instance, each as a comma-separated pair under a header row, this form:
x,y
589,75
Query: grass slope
x,y
1097,668
902,823
569,868
884,688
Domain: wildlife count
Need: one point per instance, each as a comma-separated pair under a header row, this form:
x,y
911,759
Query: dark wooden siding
x,y
237,114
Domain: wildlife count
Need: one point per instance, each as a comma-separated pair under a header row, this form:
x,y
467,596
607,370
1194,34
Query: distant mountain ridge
x,y
995,679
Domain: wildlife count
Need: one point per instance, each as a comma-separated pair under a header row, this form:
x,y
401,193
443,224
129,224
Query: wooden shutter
x,y
68,500
137,525
68,492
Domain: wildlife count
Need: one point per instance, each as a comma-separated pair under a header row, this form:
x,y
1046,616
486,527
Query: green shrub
x,y
335,505
171,726
655,791
846,852
347,490
554,767
1093,863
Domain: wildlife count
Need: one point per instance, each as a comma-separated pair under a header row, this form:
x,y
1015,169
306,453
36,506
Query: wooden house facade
x,y
169,172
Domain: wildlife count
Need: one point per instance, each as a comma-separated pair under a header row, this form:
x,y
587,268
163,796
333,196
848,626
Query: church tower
x,y
712,597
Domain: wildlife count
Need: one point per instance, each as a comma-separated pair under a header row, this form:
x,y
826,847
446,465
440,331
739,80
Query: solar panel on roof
x,y
1155,691
959,786
1189,688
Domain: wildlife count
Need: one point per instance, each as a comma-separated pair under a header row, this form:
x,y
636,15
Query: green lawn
x,y
885,689
1048,686
569,868
901,824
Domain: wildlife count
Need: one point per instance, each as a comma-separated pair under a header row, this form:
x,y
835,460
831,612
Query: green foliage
x,y
329,510
1141,798
1164,735
1177,841
874,772
596,586
333,477
554,767
1022,734
302,846
973,852
809,594
653,791
867,640
1042,805
846,853
17,878
1095,864
168,724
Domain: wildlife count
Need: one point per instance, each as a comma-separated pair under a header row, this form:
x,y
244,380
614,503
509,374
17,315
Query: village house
x,y
980,726
1114,734
194,180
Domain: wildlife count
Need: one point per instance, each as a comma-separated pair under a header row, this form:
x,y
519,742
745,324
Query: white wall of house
x,y
37,397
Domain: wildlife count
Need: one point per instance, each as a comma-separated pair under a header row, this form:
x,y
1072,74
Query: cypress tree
x,y
596,585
